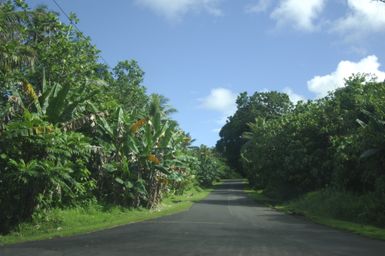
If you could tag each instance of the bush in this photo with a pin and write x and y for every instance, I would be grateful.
(364, 208)
(42, 167)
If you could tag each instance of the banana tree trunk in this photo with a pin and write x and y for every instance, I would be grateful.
(154, 191)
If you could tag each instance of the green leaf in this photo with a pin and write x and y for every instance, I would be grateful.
(131, 144)
(129, 184)
(119, 180)
(162, 169)
(361, 123)
(103, 124)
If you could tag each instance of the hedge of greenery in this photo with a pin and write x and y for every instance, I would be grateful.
(335, 143)
(73, 131)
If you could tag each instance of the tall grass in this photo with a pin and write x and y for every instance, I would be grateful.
(362, 209)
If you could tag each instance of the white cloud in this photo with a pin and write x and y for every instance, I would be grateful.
(294, 97)
(302, 14)
(261, 6)
(221, 100)
(364, 16)
(175, 9)
(321, 85)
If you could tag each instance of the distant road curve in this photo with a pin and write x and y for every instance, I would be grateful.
(226, 223)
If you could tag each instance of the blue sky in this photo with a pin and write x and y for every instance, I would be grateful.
(202, 53)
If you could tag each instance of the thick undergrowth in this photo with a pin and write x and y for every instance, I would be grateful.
(75, 132)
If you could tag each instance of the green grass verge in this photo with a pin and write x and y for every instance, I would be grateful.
(299, 207)
(259, 197)
(80, 220)
(365, 230)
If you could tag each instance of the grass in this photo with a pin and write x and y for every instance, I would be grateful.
(80, 220)
(259, 197)
(329, 210)
(361, 229)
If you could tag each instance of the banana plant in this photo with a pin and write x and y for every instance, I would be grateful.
(151, 143)
(55, 103)
(60, 102)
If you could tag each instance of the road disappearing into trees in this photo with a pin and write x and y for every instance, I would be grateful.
(225, 223)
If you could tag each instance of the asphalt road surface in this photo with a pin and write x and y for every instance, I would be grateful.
(225, 223)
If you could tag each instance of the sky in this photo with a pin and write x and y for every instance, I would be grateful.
(202, 53)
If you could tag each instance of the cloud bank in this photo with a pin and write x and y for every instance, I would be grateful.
(363, 16)
(321, 85)
(301, 14)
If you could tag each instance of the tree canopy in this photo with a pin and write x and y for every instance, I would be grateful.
(335, 145)
(266, 105)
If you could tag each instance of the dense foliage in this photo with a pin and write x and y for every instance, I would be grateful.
(73, 131)
(335, 145)
(267, 105)
(210, 166)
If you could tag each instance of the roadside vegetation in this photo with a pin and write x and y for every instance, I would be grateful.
(85, 218)
(321, 212)
(79, 137)
(323, 158)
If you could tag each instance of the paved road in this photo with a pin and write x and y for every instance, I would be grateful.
(226, 223)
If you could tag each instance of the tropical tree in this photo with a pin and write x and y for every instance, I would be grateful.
(127, 86)
(209, 167)
(266, 105)
(336, 142)
(72, 131)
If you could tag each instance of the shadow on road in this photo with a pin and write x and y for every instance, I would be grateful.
(232, 202)
(234, 188)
